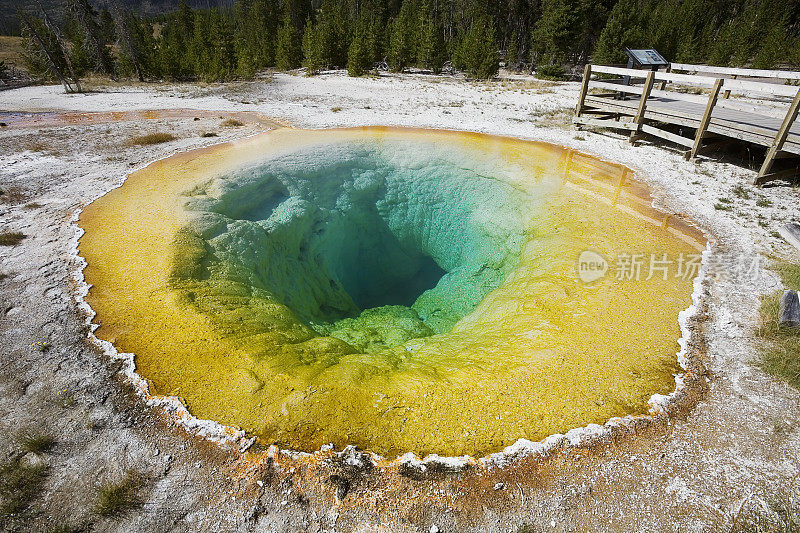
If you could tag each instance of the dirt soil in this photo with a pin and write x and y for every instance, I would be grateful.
(730, 463)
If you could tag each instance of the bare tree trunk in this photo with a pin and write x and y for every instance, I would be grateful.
(64, 51)
(53, 65)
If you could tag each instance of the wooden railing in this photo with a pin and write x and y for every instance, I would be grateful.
(671, 87)
(788, 75)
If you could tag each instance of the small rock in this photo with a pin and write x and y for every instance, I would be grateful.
(791, 234)
(434, 529)
(33, 460)
(790, 309)
(499, 486)
(156, 452)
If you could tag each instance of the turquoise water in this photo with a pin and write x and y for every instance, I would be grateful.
(373, 243)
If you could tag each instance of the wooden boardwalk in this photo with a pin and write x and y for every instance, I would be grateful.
(656, 103)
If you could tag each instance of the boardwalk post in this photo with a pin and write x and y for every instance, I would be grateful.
(728, 92)
(639, 118)
(587, 73)
(777, 143)
(701, 129)
(664, 82)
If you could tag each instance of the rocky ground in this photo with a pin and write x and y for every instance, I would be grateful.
(730, 463)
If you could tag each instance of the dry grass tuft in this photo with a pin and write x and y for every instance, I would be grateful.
(231, 123)
(151, 138)
(779, 512)
(780, 347)
(38, 147)
(11, 238)
(32, 442)
(11, 195)
(19, 485)
(116, 498)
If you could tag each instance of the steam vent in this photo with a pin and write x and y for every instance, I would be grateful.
(399, 290)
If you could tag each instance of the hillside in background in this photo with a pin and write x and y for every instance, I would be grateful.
(9, 25)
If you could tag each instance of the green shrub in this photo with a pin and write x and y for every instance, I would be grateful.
(551, 72)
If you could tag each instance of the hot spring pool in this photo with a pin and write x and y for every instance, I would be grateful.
(399, 290)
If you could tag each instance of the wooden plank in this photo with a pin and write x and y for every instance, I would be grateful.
(686, 79)
(694, 98)
(731, 71)
(701, 131)
(780, 137)
(587, 73)
(651, 113)
(760, 87)
(738, 134)
(620, 71)
(746, 107)
(618, 87)
(703, 81)
(616, 124)
(639, 117)
(677, 139)
(792, 148)
(788, 173)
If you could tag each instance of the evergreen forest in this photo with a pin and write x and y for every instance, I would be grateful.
(550, 37)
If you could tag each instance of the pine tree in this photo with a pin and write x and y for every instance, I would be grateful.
(106, 22)
(401, 38)
(200, 46)
(312, 50)
(375, 12)
(176, 52)
(255, 35)
(477, 52)
(556, 33)
(512, 52)
(88, 42)
(621, 30)
(432, 53)
(358, 57)
(137, 46)
(287, 50)
(773, 47)
(222, 56)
